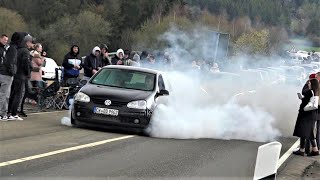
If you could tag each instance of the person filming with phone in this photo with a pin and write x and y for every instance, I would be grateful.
(305, 124)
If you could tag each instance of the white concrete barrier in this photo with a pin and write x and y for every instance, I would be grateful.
(267, 161)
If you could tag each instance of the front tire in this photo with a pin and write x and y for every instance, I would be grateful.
(75, 123)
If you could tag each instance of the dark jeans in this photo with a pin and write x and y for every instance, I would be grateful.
(15, 96)
(24, 95)
(303, 142)
(317, 137)
(318, 133)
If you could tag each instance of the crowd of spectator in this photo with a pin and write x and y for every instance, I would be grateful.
(15, 73)
(22, 60)
(21, 69)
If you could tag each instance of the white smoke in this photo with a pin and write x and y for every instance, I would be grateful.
(223, 110)
(191, 113)
(67, 120)
(280, 101)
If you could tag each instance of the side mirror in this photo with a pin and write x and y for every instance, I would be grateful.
(163, 92)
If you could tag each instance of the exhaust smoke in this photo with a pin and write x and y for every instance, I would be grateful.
(67, 120)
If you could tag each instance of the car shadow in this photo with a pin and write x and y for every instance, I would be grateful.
(117, 130)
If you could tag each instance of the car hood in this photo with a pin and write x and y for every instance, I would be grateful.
(113, 93)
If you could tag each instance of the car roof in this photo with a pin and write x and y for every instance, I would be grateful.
(51, 61)
(133, 68)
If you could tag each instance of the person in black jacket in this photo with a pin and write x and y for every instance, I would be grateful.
(305, 123)
(92, 63)
(22, 74)
(318, 119)
(71, 64)
(118, 58)
(8, 62)
(105, 59)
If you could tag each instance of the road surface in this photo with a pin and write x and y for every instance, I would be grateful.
(34, 144)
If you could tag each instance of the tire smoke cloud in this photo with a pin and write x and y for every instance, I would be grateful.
(221, 109)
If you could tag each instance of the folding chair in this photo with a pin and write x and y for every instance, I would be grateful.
(35, 89)
(61, 98)
(48, 96)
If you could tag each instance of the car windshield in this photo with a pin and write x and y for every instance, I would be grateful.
(127, 79)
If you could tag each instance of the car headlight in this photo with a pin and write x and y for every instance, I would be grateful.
(82, 97)
(137, 105)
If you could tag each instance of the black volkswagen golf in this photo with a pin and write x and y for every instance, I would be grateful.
(118, 97)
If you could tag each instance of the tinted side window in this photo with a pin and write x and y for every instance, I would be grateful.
(161, 83)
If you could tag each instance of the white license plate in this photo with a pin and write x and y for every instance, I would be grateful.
(105, 111)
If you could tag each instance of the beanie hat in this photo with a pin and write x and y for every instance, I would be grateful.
(104, 46)
(28, 38)
(312, 76)
(15, 38)
(126, 52)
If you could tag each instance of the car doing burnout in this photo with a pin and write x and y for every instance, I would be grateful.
(120, 97)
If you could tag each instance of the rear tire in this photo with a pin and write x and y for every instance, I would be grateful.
(144, 133)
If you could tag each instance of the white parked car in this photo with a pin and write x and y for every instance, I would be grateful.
(49, 68)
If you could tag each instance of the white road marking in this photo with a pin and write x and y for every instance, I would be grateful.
(286, 155)
(7, 163)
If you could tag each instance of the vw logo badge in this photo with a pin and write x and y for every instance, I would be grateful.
(107, 102)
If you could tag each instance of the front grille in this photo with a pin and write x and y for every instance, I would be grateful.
(113, 103)
(106, 118)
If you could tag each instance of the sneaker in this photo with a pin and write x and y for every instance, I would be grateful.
(298, 152)
(10, 118)
(16, 117)
(314, 153)
(2, 118)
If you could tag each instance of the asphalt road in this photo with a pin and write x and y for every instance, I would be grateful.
(136, 157)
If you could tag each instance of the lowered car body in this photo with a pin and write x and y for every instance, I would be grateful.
(118, 97)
